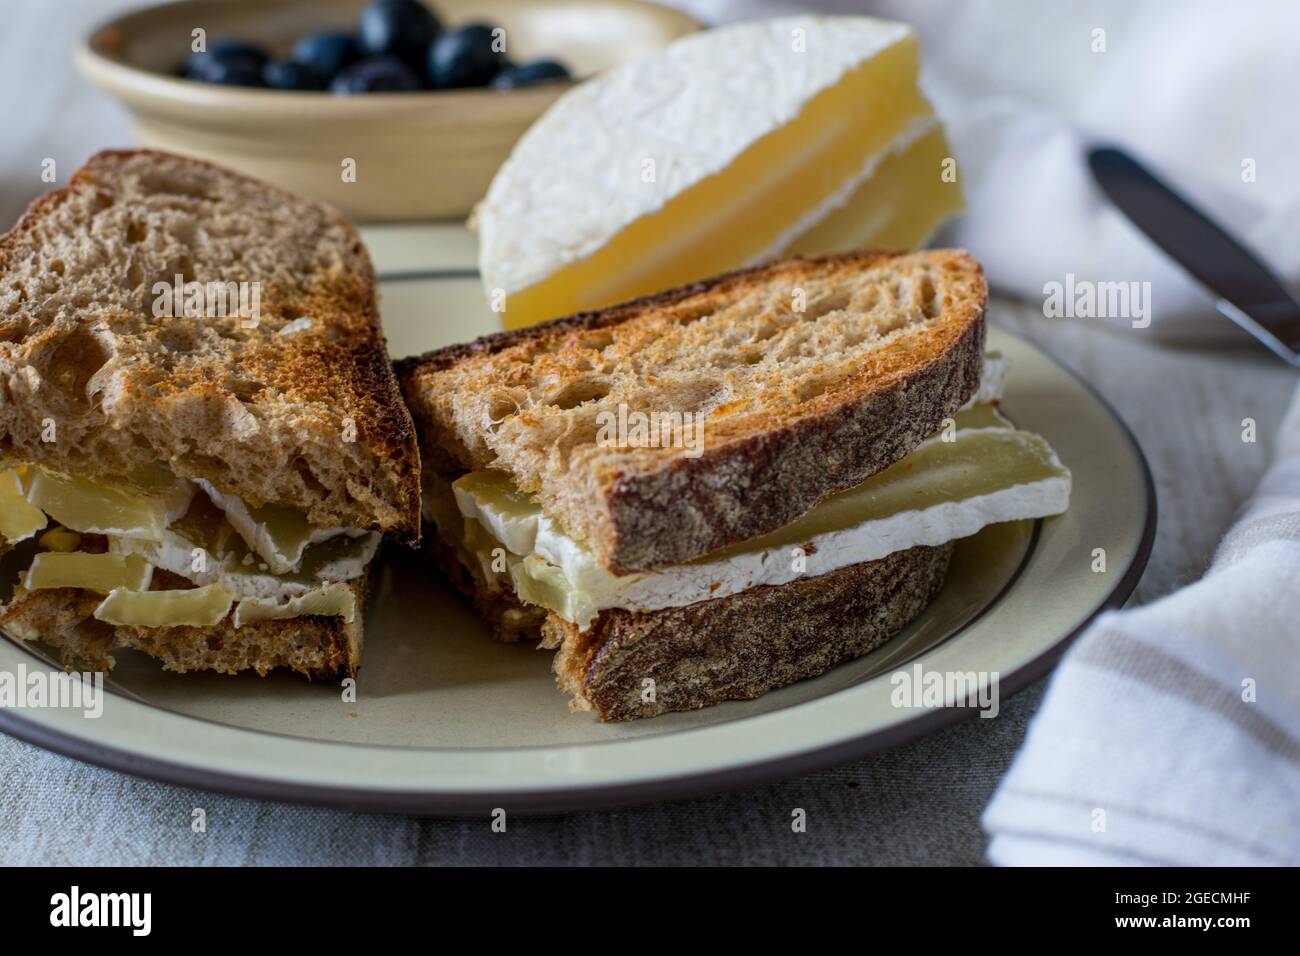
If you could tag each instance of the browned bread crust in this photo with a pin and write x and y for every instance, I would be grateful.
(798, 405)
(317, 647)
(742, 646)
(263, 415)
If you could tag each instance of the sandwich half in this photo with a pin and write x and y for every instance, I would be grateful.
(201, 438)
(708, 493)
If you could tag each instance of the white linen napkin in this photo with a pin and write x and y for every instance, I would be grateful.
(1202, 90)
(1170, 734)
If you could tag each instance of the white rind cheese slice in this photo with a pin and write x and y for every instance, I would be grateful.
(692, 110)
(565, 576)
(194, 607)
(989, 472)
(330, 561)
(279, 536)
(509, 515)
(158, 522)
(92, 508)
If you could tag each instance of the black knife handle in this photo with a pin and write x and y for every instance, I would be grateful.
(1214, 258)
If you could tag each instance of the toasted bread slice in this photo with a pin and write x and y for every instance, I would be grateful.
(731, 648)
(742, 646)
(301, 410)
(811, 374)
(63, 618)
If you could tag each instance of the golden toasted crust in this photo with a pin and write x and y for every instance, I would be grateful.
(306, 415)
(742, 646)
(317, 647)
(797, 403)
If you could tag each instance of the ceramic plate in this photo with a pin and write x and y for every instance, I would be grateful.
(447, 721)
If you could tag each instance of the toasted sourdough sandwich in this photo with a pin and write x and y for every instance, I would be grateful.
(722, 489)
(201, 437)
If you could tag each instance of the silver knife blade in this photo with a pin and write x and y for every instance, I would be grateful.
(1249, 293)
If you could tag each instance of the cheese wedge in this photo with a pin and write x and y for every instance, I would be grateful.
(196, 607)
(722, 151)
(101, 573)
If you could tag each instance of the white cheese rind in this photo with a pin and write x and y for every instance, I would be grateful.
(175, 553)
(593, 589)
(692, 110)
(993, 377)
(279, 559)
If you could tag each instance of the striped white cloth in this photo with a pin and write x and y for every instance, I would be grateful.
(1171, 733)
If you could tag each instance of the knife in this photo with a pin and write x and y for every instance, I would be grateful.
(1248, 292)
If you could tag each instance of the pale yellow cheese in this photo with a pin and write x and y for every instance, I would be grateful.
(101, 573)
(157, 518)
(89, 507)
(332, 600)
(59, 539)
(196, 607)
(19, 519)
(906, 199)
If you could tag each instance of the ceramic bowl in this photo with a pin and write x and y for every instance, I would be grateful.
(425, 155)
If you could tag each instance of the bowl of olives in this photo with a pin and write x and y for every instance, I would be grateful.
(388, 109)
